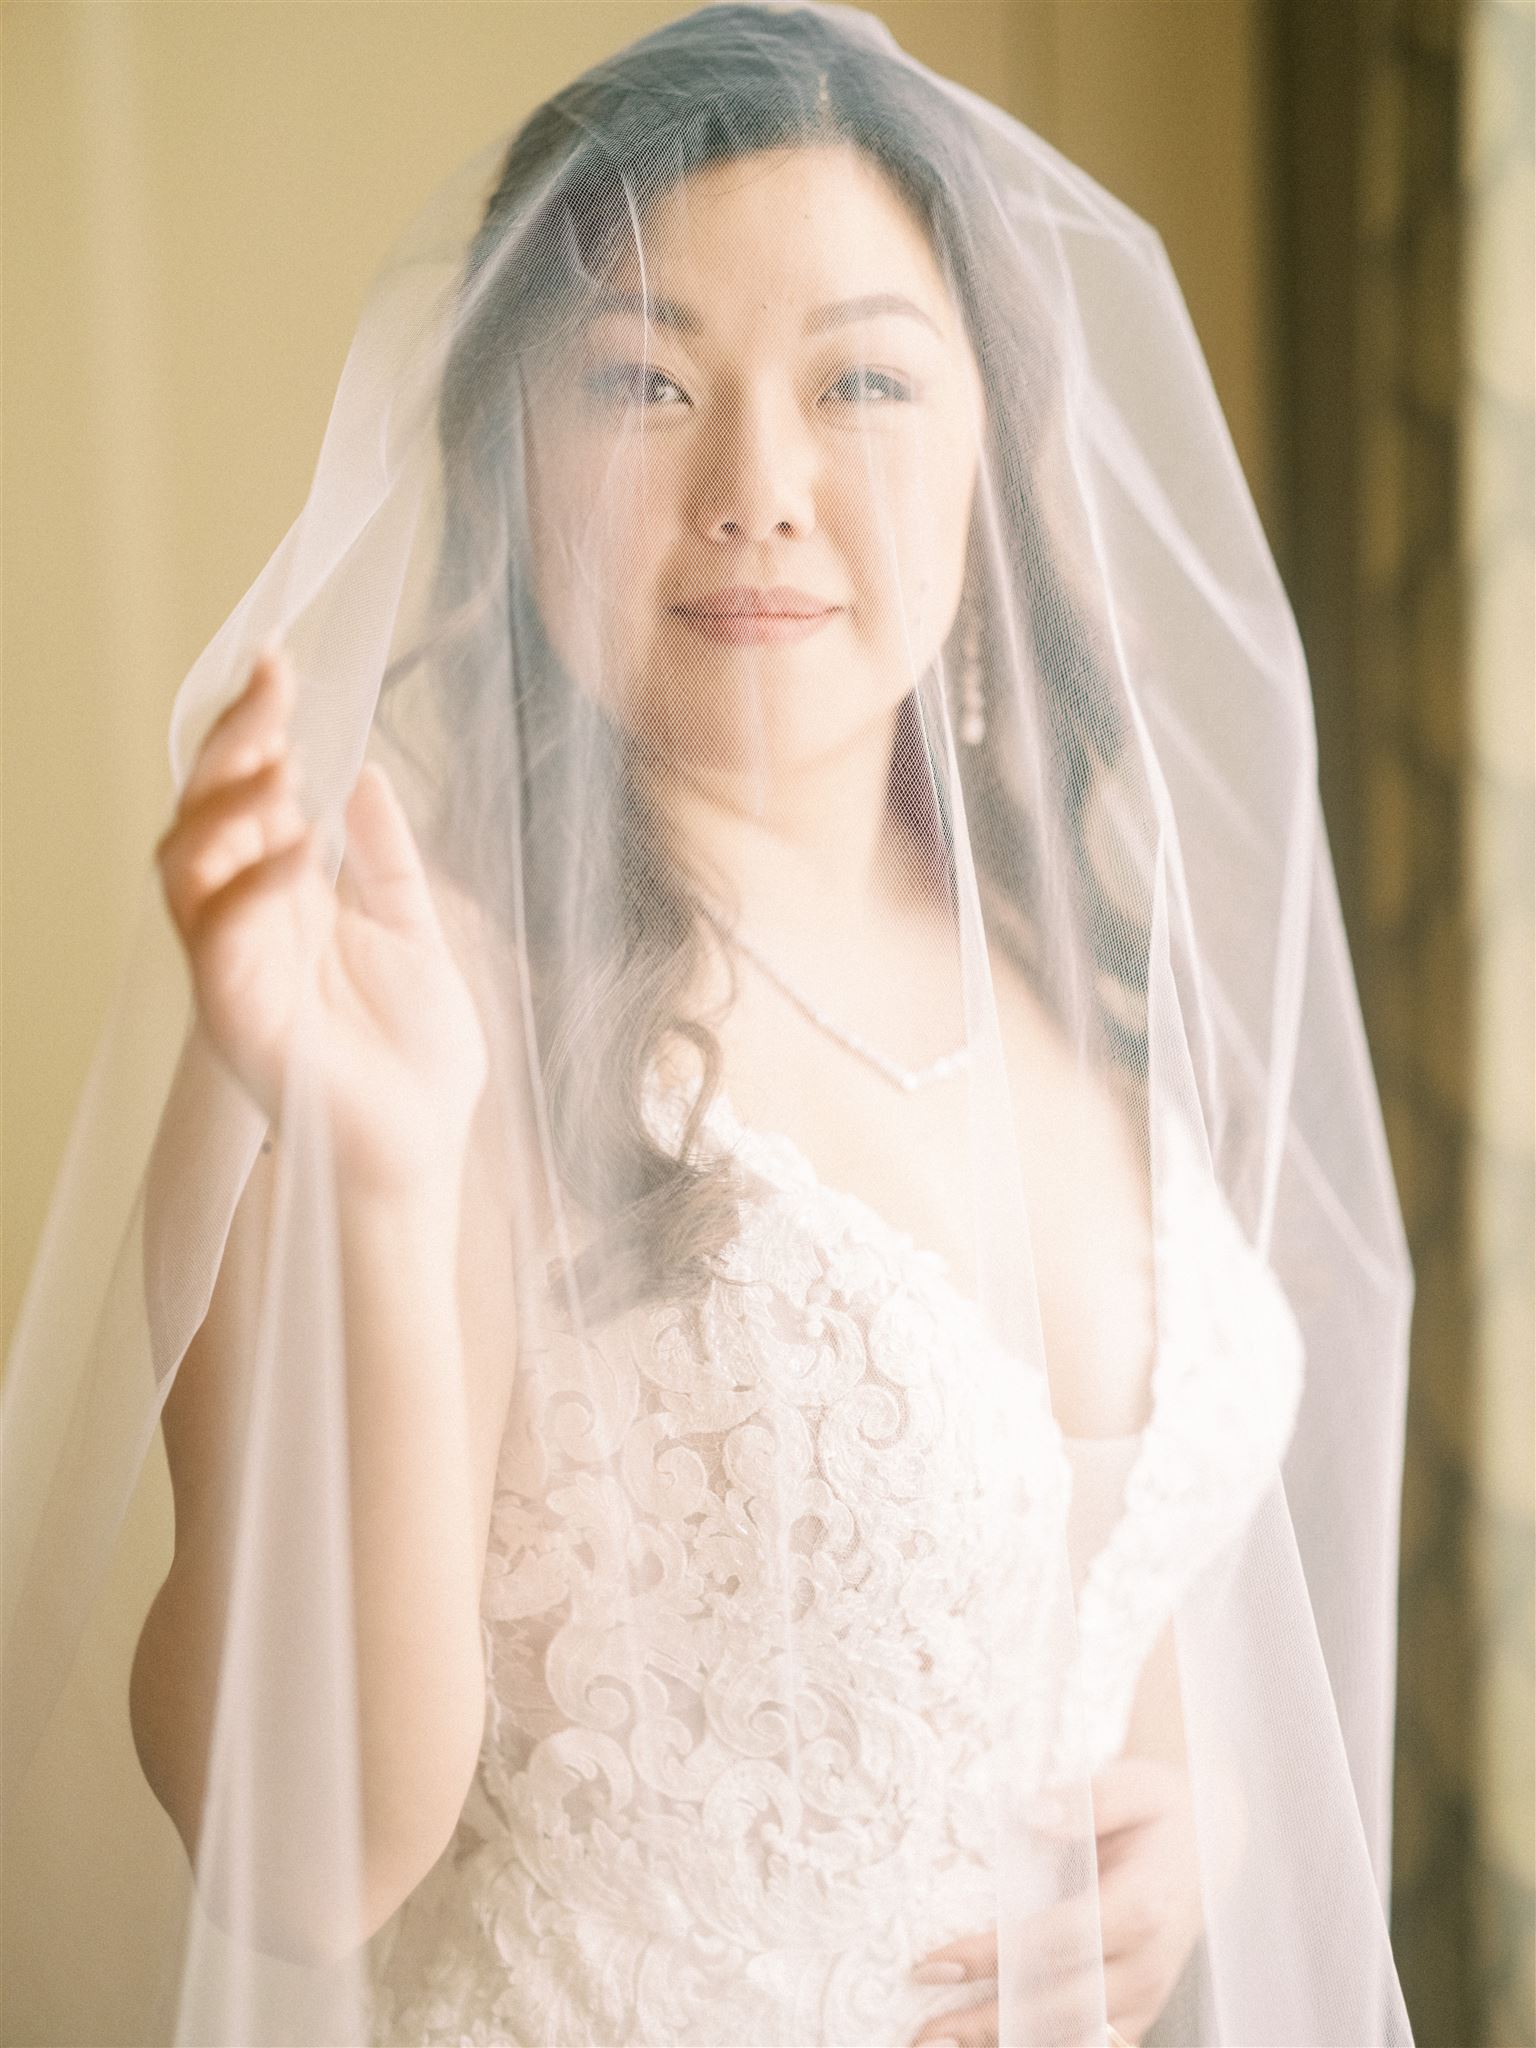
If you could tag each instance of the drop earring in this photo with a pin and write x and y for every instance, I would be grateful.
(973, 722)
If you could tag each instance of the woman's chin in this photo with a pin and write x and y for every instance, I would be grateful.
(774, 744)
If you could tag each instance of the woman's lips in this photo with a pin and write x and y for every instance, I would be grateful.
(762, 629)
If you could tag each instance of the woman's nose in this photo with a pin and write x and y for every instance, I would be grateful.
(758, 479)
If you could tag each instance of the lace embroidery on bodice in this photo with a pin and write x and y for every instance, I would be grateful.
(762, 1569)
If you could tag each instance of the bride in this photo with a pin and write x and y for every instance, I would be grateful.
(756, 1382)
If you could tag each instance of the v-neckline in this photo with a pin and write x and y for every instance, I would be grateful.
(1149, 1454)
(722, 1117)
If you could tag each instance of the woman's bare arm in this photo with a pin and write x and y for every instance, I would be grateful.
(377, 968)
(430, 1319)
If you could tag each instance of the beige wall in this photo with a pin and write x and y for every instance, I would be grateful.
(195, 198)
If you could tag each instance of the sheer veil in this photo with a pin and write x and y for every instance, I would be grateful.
(748, 1299)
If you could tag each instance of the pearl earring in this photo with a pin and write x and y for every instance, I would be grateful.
(973, 722)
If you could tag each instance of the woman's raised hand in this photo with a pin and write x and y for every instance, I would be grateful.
(397, 1044)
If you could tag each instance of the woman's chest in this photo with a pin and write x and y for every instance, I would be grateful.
(1034, 1163)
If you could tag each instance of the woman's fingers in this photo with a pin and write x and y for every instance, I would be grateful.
(382, 865)
(971, 1956)
(249, 731)
(972, 2026)
(1111, 1942)
(262, 877)
(1065, 2014)
(1066, 1979)
(1056, 1942)
(225, 831)
(1062, 1939)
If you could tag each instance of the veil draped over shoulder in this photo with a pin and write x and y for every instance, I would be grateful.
(762, 1244)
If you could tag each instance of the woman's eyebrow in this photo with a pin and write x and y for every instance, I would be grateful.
(671, 313)
(863, 309)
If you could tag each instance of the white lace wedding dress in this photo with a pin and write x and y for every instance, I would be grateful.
(831, 1455)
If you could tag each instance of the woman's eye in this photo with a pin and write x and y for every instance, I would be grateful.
(634, 384)
(888, 388)
(630, 383)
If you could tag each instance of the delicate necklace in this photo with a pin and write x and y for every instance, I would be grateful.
(904, 1077)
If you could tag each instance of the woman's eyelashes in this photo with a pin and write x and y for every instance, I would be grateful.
(624, 382)
(891, 389)
(631, 384)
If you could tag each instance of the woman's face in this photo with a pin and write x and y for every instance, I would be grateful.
(802, 408)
